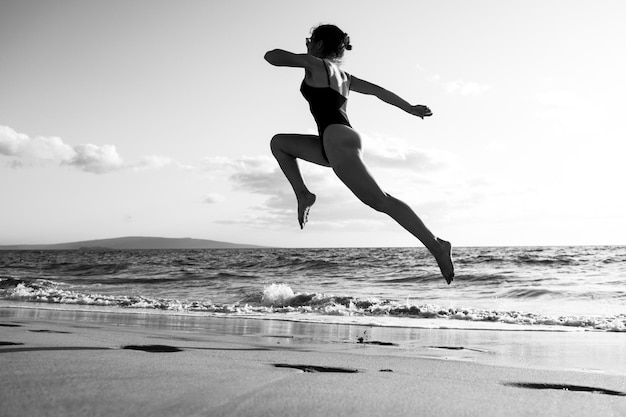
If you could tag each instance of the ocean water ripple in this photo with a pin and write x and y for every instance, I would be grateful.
(578, 287)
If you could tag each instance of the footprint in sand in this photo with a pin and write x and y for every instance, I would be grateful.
(565, 387)
(313, 368)
(49, 331)
(458, 348)
(153, 348)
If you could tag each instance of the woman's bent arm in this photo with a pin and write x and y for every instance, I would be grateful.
(282, 58)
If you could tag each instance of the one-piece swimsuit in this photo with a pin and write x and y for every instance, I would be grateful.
(328, 104)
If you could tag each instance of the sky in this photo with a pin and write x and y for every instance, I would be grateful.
(153, 118)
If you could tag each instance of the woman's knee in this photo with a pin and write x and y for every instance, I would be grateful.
(276, 143)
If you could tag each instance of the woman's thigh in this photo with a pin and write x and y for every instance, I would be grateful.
(305, 147)
(343, 148)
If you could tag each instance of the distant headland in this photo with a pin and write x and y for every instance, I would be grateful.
(134, 242)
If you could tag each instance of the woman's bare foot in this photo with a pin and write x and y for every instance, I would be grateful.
(304, 205)
(444, 260)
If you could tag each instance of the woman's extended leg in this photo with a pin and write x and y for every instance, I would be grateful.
(343, 147)
(286, 149)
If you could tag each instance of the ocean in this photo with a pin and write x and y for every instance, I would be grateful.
(580, 288)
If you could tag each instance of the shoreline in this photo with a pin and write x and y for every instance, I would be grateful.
(382, 320)
(72, 362)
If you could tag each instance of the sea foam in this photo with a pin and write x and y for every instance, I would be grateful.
(279, 300)
(277, 295)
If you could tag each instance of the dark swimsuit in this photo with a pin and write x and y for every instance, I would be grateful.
(328, 104)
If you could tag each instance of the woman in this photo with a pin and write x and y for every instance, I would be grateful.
(326, 87)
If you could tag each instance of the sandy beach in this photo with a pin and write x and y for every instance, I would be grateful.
(89, 363)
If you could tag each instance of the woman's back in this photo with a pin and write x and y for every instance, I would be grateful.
(328, 103)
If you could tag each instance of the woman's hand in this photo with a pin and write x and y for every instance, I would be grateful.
(420, 111)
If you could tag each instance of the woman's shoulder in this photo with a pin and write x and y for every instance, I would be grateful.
(338, 79)
(335, 70)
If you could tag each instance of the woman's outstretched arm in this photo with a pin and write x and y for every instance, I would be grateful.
(365, 87)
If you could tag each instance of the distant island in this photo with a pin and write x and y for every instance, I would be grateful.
(134, 242)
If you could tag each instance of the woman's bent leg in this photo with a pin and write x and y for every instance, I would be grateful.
(344, 153)
(286, 148)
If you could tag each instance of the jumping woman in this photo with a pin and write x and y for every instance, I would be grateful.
(326, 87)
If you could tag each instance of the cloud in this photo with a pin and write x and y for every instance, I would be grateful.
(258, 164)
(154, 162)
(95, 159)
(214, 198)
(466, 88)
(27, 151)
(395, 153)
(257, 174)
(336, 207)
(262, 175)
(460, 86)
(159, 162)
(22, 147)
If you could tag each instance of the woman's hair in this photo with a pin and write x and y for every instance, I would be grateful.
(334, 41)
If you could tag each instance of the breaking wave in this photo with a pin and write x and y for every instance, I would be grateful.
(280, 299)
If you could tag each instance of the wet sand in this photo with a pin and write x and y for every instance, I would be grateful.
(79, 363)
